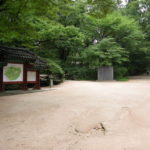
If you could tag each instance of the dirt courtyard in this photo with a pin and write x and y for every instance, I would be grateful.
(78, 115)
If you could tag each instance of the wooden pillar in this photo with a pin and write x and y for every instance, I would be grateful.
(1, 80)
(24, 86)
(37, 84)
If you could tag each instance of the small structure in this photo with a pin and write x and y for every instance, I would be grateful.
(20, 66)
(105, 73)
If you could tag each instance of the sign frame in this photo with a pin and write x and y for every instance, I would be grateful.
(13, 81)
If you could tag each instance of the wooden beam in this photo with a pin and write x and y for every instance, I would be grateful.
(1, 80)
(24, 86)
(37, 85)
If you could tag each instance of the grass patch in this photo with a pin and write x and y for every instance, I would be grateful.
(122, 79)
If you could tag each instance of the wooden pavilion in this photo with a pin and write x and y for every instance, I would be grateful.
(20, 66)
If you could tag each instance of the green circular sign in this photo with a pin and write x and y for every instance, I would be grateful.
(12, 73)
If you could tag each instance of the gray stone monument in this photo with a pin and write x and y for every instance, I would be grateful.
(105, 73)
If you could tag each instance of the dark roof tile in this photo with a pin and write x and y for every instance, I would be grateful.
(8, 54)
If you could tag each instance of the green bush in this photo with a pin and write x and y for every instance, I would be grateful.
(120, 72)
(80, 73)
(123, 79)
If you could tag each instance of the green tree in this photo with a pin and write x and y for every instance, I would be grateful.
(124, 30)
(67, 40)
(140, 11)
(100, 8)
(105, 53)
(16, 17)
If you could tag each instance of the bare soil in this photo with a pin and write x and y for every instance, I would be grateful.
(78, 115)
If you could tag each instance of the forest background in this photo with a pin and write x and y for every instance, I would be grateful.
(76, 37)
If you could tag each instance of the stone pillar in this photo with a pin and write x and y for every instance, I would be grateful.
(51, 82)
(37, 84)
(1, 80)
(105, 73)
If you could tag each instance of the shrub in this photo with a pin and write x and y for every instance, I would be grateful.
(120, 72)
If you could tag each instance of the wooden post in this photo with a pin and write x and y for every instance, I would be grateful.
(1, 80)
(37, 84)
(24, 86)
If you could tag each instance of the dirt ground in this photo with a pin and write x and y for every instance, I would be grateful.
(78, 115)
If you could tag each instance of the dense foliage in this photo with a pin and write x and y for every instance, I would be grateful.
(76, 37)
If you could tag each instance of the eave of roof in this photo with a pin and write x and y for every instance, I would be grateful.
(21, 55)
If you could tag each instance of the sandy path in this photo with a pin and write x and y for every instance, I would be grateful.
(78, 115)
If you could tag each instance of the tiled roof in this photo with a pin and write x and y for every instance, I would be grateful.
(20, 55)
(17, 54)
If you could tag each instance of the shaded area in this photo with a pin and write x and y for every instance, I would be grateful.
(18, 92)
